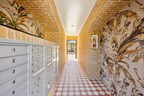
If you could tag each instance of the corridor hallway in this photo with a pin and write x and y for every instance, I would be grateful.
(109, 48)
(74, 82)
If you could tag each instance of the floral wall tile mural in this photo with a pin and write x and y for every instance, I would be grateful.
(122, 51)
(15, 16)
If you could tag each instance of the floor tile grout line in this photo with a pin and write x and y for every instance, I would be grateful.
(74, 82)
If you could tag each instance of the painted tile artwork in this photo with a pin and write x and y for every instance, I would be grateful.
(122, 51)
(13, 15)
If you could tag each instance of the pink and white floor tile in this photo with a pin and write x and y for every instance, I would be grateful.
(74, 82)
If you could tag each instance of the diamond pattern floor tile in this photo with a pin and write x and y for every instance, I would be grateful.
(74, 82)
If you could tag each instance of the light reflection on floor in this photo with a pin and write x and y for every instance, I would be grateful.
(71, 57)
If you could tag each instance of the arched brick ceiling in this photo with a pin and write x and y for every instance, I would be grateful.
(41, 11)
(102, 12)
(45, 12)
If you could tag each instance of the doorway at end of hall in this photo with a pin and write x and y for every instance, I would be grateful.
(72, 49)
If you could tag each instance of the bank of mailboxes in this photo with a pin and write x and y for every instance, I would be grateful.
(26, 69)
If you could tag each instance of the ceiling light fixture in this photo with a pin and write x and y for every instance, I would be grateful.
(73, 25)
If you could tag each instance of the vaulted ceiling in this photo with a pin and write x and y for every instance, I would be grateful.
(45, 12)
(73, 14)
(101, 13)
(42, 12)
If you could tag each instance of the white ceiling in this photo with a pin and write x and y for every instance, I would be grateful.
(73, 14)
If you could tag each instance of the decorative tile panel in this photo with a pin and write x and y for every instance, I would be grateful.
(15, 16)
(122, 52)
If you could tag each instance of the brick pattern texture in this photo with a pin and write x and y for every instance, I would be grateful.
(100, 14)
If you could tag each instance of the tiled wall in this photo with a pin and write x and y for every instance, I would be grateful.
(62, 46)
(52, 36)
(83, 50)
(122, 52)
(87, 56)
(11, 34)
(13, 15)
(71, 37)
(9, 9)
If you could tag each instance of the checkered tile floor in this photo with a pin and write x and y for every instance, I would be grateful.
(74, 82)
